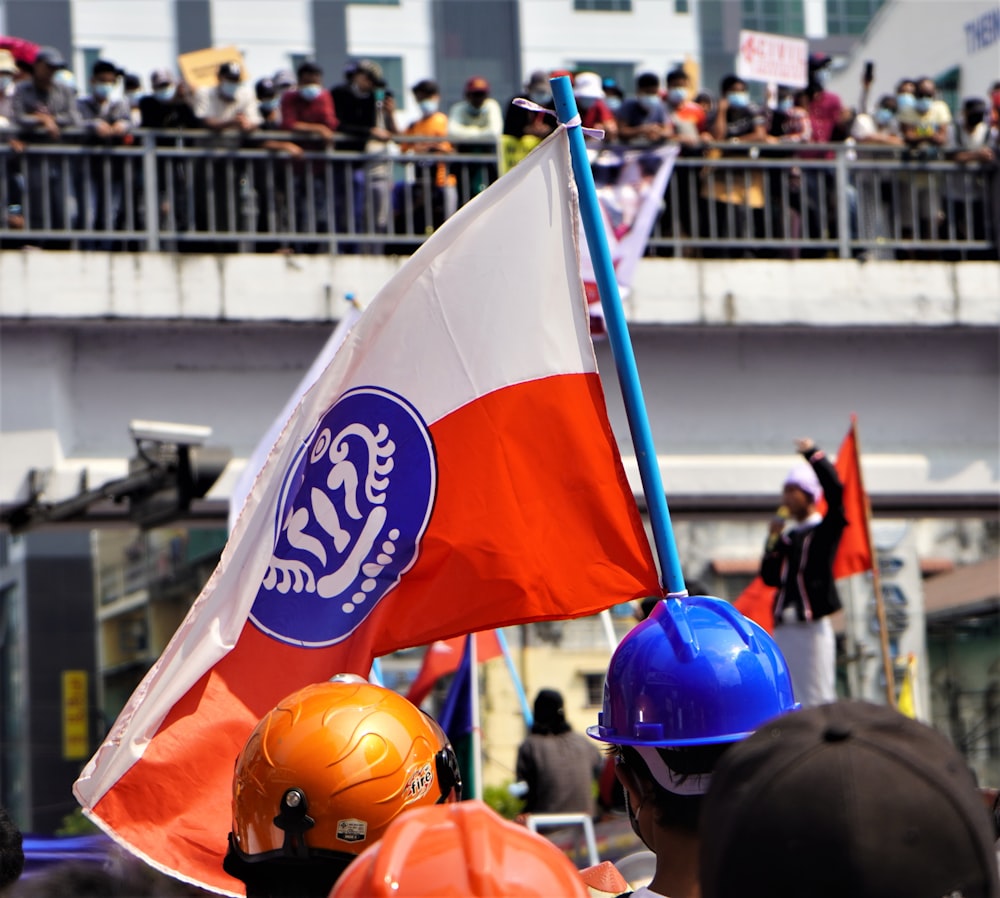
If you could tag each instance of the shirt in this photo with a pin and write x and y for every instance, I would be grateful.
(210, 104)
(58, 100)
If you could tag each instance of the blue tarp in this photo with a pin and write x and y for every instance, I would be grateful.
(41, 852)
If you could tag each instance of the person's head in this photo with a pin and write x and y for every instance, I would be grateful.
(286, 80)
(549, 714)
(366, 77)
(230, 76)
(846, 799)
(267, 95)
(734, 89)
(683, 685)
(538, 89)
(926, 93)
(801, 491)
(104, 76)
(131, 87)
(309, 81)
(460, 849)
(647, 84)
(678, 86)
(477, 89)
(614, 96)
(906, 94)
(320, 779)
(428, 96)
(587, 88)
(975, 111)
(705, 100)
(47, 62)
(164, 85)
(819, 70)
(11, 850)
(885, 112)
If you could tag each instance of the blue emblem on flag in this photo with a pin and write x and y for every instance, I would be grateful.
(353, 507)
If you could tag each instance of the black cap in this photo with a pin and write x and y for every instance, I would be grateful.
(51, 57)
(105, 67)
(230, 71)
(265, 89)
(847, 799)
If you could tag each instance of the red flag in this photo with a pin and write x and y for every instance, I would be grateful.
(854, 554)
(443, 658)
(452, 470)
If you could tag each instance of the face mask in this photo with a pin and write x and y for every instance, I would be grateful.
(541, 97)
(614, 103)
(905, 101)
(677, 95)
(822, 77)
(648, 101)
(923, 105)
(310, 91)
(6, 81)
(64, 77)
(269, 105)
(103, 91)
(786, 104)
(165, 94)
(228, 89)
(883, 116)
(739, 99)
(133, 100)
(429, 107)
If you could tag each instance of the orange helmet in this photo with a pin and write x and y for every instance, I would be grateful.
(463, 850)
(322, 776)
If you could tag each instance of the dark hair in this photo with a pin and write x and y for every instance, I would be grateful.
(132, 81)
(675, 75)
(549, 714)
(309, 68)
(265, 89)
(729, 82)
(426, 88)
(647, 79)
(11, 850)
(673, 810)
(104, 67)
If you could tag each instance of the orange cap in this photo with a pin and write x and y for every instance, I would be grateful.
(463, 850)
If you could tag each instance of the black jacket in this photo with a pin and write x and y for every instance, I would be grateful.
(800, 562)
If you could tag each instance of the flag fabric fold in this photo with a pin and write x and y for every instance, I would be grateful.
(444, 656)
(452, 470)
(854, 553)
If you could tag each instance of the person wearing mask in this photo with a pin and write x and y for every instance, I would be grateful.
(321, 778)
(926, 125)
(430, 178)
(643, 119)
(42, 107)
(976, 147)
(875, 197)
(307, 111)
(614, 96)
(108, 122)
(880, 127)
(227, 106)
(168, 108)
(475, 123)
(132, 89)
(557, 766)
(687, 116)
(798, 563)
(683, 687)
(588, 91)
(524, 129)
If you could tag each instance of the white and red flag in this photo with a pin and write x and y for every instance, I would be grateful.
(452, 470)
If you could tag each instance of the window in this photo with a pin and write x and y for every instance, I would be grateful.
(682, 7)
(90, 56)
(774, 16)
(392, 71)
(602, 5)
(376, 2)
(850, 16)
(623, 73)
(594, 683)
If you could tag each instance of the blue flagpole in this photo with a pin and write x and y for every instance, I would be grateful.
(621, 345)
(529, 718)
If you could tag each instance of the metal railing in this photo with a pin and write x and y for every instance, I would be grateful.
(190, 191)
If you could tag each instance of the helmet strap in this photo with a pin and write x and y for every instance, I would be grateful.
(294, 821)
(678, 783)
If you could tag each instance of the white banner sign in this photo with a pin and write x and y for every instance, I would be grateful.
(773, 59)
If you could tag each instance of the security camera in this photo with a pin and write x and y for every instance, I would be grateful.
(165, 432)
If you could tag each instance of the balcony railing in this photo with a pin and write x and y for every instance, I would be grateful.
(194, 192)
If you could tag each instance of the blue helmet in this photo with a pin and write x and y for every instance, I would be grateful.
(695, 672)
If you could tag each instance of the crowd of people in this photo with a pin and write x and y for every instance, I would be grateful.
(743, 187)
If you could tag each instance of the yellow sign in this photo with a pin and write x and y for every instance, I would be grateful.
(76, 715)
(200, 68)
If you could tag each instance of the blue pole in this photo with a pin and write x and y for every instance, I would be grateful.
(518, 685)
(621, 345)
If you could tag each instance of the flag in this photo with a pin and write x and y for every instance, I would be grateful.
(907, 693)
(452, 470)
(456, 718)
(854, 553)
(244, 485)
(630, 187)
(444, 656)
